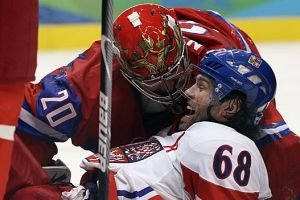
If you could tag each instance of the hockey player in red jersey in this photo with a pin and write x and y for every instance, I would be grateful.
(211, 158)
(65, 103)
(18, 49)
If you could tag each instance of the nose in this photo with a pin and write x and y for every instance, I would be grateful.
(189, 93)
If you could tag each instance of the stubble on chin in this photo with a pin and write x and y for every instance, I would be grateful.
(185, 123)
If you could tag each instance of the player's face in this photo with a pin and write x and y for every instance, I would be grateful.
(199, 97)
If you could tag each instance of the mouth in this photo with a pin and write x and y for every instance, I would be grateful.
(187, 118)
(189, 111)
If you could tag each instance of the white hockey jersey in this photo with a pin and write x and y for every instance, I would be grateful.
(208, 161)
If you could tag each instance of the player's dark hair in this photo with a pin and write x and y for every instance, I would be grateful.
(243, 120)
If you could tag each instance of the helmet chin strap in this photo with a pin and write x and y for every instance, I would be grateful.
(212, 102)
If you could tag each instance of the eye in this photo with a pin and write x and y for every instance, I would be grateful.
(201, 86)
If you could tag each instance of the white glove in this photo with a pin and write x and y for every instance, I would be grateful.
(91, 162)
(78, 193)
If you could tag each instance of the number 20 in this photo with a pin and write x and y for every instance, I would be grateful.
(223, 166)
(50, 116)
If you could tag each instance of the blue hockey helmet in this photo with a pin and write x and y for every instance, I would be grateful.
(239, 70)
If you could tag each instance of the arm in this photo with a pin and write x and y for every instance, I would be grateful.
(206, 30)
(62, 102)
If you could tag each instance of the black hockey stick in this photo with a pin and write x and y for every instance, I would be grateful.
(105, 98)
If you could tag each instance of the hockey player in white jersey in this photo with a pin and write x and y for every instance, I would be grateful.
(213, 157)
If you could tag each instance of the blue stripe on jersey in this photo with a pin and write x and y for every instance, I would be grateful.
(269, 138)
(245, 44)
(82, 56)
(26, 119)
(135, 194)
(27, 129)
(57, 106)
(273, 125)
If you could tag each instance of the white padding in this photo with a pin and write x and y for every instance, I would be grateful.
(7, 132)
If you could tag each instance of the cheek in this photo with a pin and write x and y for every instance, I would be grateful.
(201, 107)
(201, 110)
(203, 99)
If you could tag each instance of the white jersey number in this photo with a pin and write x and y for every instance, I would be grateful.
(56, 117)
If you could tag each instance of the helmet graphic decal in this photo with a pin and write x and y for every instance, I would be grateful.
(154, 49)
(161, 49)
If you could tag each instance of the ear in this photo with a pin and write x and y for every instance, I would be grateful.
(230, 108)
(225, 110)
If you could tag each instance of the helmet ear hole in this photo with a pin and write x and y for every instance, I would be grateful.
(232, 107)
(231, 104)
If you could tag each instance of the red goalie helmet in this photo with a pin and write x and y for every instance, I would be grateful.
(150, 48)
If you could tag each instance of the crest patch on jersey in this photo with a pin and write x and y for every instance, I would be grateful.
(135, 152)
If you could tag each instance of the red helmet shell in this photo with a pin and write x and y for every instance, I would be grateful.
(149, 41)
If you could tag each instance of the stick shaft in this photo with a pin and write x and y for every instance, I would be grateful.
(105, 98)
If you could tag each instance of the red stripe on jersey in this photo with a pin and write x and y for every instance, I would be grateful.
(112, 187)
(195, 185)
(175, 145)
(156, 198)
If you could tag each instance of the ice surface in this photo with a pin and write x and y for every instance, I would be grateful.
(283, 57)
